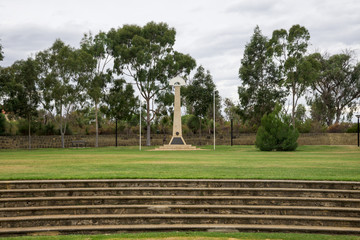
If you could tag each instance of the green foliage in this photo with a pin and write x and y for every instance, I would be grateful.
(288, 48)
(63, 70)
(353, 128)
(193, 123)
(47, 129)
(1, 53)
(276, 133)
(146, 55)
(336, 90)
(22, 89)
(121, 103)
(339, 127)
(23, 127)
(260, 89)
(2, 124)
(199, 94)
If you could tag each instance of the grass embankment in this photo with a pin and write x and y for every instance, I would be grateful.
(241, 162)
(194, 236)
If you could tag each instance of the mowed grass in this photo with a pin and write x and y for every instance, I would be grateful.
(239, 162)
(194, 236)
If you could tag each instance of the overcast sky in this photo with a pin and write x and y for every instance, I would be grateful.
(214, 32)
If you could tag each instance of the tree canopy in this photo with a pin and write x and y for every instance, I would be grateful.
(146, 55)
(260, 80)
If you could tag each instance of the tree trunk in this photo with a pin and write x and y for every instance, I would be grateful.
(293, 107)
(29, 131)
(97, 126)
(200, 131)
(62, 131)
(116, 135)
(148, 143)
(62, 140)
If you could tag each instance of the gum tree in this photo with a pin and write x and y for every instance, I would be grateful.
(97, 48)
(260, 88)
(62, 70)
(146, 55)
(288, 48)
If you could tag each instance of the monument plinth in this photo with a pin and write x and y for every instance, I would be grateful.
(177, 141)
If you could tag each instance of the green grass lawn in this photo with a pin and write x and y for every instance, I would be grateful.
(194, 236)
(241, 162)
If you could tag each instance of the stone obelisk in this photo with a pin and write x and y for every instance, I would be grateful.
(177, 138)
(177, 141)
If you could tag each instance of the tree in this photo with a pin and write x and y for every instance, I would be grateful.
(62, 70)
(98, 48)
(1, 53)
(23, 95)
(199, 94)
(336, 89)
(288, 48)
(260, 89)
(146, 55)
(121, 103)
(276, 132)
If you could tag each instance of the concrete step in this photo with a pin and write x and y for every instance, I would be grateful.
(135, 219)
(182, 200)
(179, 191)
(168, 147)
(91, 229)
(180, 209)
(198, 183)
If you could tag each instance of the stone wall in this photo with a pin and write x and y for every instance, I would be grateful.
(14, 142)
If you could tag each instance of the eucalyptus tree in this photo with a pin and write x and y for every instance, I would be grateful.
(288, 48)
(260, 87)
(120, 102)
(63, 68)
(146, 55)
(98, 47)
(336, 90)
(23, 95)
(199, 94)
(1, 53)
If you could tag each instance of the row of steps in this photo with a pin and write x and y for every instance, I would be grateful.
(125, 205)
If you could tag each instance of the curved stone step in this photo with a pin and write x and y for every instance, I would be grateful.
(180, 191)
(91, 229)
(135, 219)
(180, 209)
(183, 200)
(216, 183)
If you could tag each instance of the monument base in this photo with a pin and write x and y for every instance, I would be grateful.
(176, 147)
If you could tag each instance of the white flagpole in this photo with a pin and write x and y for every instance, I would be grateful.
(214, 120)
(140, 127)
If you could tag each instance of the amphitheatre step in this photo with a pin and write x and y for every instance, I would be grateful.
(113, 205)
(135, 219)
(179, 191)
(181, 209)
(219, 183)
(183, 200)
(175, 227)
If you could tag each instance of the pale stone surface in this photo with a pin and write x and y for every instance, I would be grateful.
(177, 141)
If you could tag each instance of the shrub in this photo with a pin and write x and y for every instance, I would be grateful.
(2, 124)
(353, 128)
(339, 128)
(276, 133)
